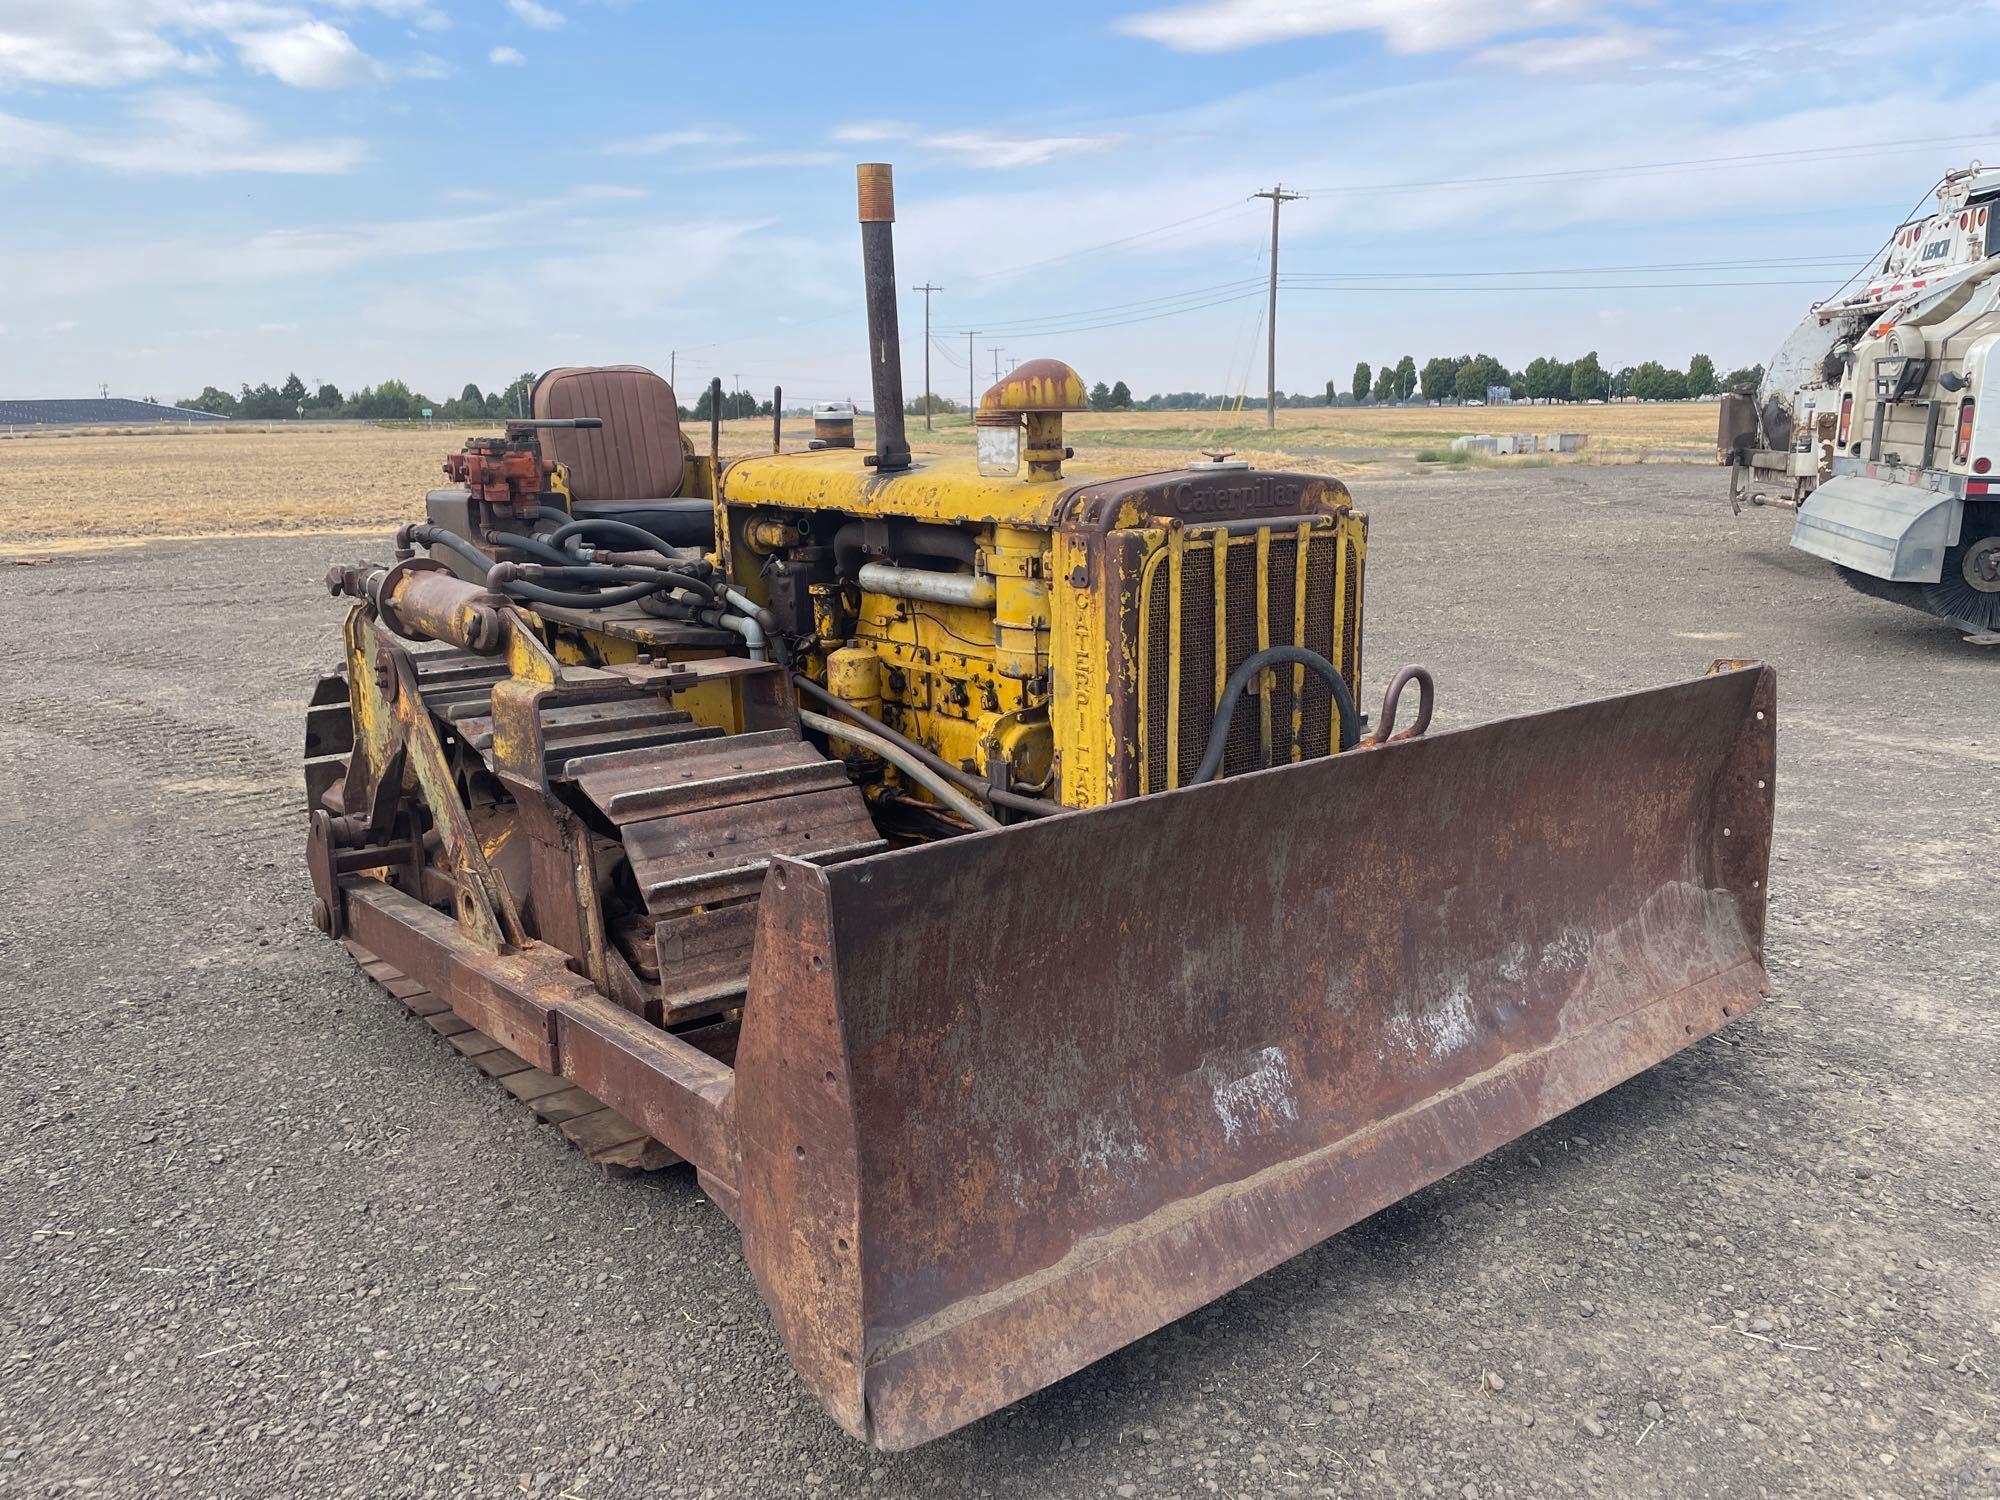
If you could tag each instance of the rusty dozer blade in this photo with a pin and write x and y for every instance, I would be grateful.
(1010, 1101)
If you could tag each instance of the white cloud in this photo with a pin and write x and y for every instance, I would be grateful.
(419, 13)
(1574, 54)
(505, 57)
(864, 131)
(179, 134)
(1406, 25)
(107, 43)
(529, 13)
(977, 148)
(310, 55)
(308, 254)
(427, 68)
(664, 141)
(94, 44)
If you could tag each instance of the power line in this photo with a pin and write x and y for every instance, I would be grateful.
(1127, 239)
(1165, 302)
(1172, 312)
(1744, 158)
(1025, 324)
(1198, 299)
(1686, 265)
(1883, 248)
(1245, 296)
(1603, 286)
(1110, 307)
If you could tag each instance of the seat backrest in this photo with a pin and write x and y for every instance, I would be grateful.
(636, 454)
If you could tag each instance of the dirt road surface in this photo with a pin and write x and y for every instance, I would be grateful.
(264, 1234)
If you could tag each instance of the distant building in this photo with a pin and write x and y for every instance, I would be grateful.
(94, 412)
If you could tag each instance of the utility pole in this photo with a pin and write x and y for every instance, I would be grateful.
(927, 289)
(735, 384)
(971, 372)
(1278, 197)
(994, 350)
(673, 364)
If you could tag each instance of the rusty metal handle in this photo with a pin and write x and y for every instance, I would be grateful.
(1392, 699)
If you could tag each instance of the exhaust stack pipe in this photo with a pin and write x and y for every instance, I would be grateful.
(877, 192)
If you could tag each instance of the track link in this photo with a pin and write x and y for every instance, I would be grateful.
(601, 1134)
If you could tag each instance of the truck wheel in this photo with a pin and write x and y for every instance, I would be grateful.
(1967, 592)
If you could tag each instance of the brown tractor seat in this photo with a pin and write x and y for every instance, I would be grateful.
(633, 468)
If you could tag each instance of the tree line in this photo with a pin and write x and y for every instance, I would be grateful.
(1466, 377)
(392, 400)
(1470, 377)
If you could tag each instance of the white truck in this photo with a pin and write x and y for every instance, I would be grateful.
(1879, 418)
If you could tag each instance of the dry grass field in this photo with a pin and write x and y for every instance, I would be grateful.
(90, 489)
(1347, 439)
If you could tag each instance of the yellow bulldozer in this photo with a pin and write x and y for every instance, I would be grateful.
(979, 869)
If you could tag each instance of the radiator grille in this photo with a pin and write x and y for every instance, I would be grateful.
(1282, 719)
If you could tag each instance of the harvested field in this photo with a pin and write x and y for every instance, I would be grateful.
(1339, 440)
(90, 488)
(1307, 437)
(82, 489)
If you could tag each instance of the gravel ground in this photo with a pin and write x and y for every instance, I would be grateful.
(264, 1234)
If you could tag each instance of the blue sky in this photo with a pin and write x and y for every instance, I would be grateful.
(212, 191)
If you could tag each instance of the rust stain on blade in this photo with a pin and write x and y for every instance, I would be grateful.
(1269, 1007)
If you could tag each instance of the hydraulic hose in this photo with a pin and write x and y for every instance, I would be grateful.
(567, 568)
(671, 566)
(1232, 691)
(567, 573)
(534, 545)
(437, 536)
(670, 607)
(535, 593)
(569, 529)
(604, 525)
(992, 795)
(905, 762)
